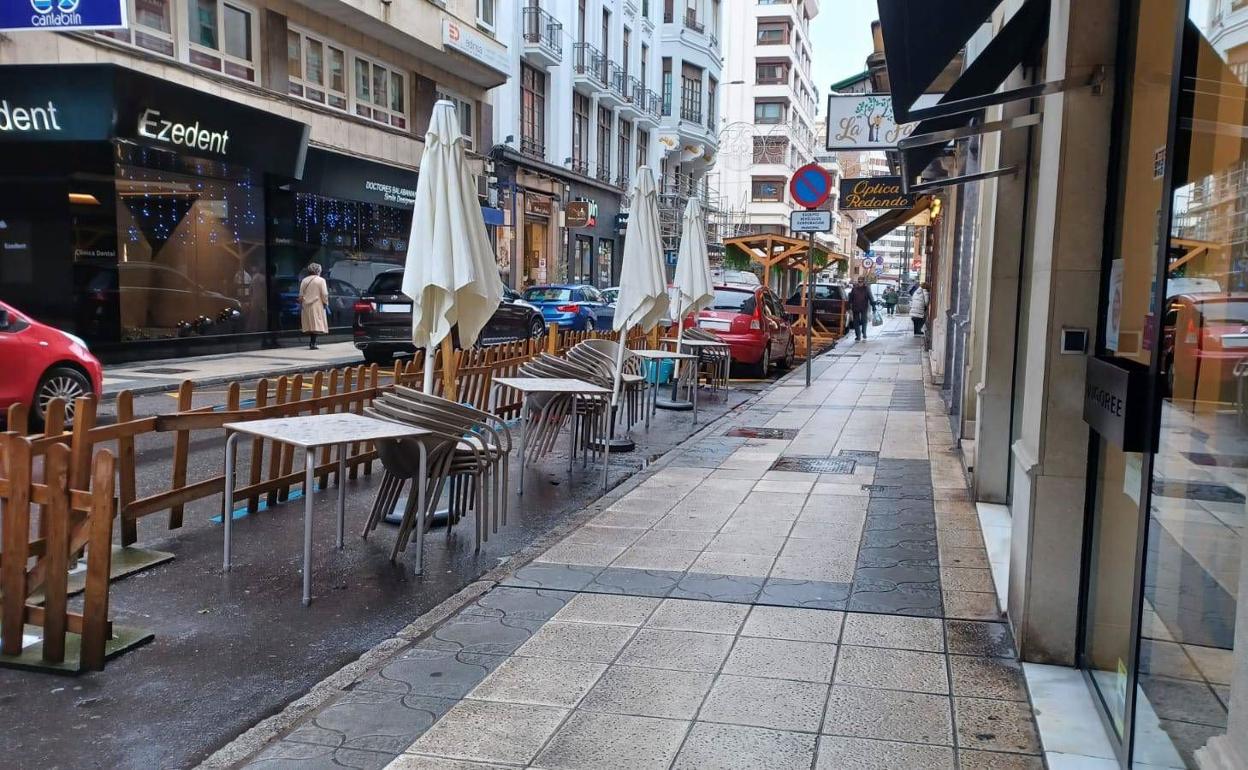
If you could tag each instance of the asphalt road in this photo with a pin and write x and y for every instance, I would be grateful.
(231, 649)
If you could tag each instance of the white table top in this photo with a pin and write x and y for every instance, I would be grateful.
(552, 385)
(699, 343)
(663, 355)
(312, 430)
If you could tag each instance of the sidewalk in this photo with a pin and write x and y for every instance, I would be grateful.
(154, 376)
(803, 584)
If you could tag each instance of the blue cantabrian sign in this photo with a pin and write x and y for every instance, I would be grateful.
(18, 15)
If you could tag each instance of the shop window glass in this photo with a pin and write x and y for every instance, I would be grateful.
(768, 112)
(767, 189)
(294, 60)
(380, 93)
(316, 62)
(204, 23)
(222, 38)
(238, 33)
(606, 262)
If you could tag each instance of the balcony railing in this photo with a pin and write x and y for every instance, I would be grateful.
(617, 79)
(622, 181)
(691, 21)
(590, 62)
(604, 173)
(635, 92)
(580, 167)
(654, 104)
(540, 28)
(533, 148)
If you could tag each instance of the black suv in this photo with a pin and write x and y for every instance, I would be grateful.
(830, 305)
(383, 320)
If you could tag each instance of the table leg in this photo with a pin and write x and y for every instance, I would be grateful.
(645, 399)
(227, 504)
(308, 474)
(342, 492)
(524, 436)
(695, 402)
(576, 421)
(422, 481)
(606, 444)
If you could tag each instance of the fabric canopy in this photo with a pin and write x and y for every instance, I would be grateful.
(643, 283)
(693, 270)
(450, 273)
(890, 221)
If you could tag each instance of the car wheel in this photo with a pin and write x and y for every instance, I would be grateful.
(381, 359)
(790, 355)
(537, 328)
(763, 367)
(60, 382)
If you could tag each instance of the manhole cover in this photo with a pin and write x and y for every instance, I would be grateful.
(163, 370)
(860, 456)
(814, 465)
(1197, 490)
(783, 434)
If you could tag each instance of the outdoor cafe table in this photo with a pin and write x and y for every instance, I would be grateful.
(311, 432)
(699, 345)
(556, 386)
(666, 355)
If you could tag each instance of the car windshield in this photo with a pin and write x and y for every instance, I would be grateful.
(547, 294)
(740, 300)
(387, 283)
(1218, 313)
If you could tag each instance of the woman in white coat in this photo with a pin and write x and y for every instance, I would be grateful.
(918, 309)
(313, 300)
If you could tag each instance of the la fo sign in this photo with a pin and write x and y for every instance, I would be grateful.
(63, 15)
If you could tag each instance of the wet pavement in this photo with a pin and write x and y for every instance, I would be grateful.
(232, 649)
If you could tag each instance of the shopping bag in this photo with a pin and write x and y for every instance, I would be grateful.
(876, 318)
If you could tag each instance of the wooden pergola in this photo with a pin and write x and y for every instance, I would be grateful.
(774, 251)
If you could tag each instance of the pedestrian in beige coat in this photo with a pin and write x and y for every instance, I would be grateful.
(313, 300)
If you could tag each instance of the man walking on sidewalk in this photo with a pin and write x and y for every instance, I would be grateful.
(861, 303)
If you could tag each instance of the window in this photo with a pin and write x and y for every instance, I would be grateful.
(222, 37)
(606, 33)
(580, 21)
(772, 32)
(768, 112)
(770, 149)
(771, 72)
(626, 44)
(151, 27)
(667, 11)
(643, 147)
(532, 111)
(380, 93)
(767, 188)
(317, 69)
(645, 55)
(691, 15)
(580, 133)
(464, 113)
(711, 85)
(485, 14)
(667, 85)
(604, 144)
(625, 151)
(645, 9)
(691, 93)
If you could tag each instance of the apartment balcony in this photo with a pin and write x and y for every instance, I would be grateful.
(691, 22)
(652, 107)
(589, 69)
(616, 92)
(603, 174)
(533, 148)
(622, 180)
(579, 167)
(543, 37)
(634, 99)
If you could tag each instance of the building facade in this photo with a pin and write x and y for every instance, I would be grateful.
(770, 104)
(201, 158)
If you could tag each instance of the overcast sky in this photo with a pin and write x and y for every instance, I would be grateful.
(841, 39)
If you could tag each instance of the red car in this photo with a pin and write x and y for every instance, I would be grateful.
(42, 363)
(1204, 337)
(751, 319)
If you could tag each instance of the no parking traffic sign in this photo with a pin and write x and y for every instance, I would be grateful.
(810, 185)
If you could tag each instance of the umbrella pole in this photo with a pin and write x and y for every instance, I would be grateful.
(428, 370)
(674, 403)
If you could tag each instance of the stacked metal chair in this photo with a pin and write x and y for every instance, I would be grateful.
(548, 412)
(714, 362)
(602, 355)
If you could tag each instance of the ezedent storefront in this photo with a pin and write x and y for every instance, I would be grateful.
(133, 210)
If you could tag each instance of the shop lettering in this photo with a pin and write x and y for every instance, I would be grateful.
(28, 118)
(151, 126)
(1105, 400)
(57, 20)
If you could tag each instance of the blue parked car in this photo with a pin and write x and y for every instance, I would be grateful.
(572, 306)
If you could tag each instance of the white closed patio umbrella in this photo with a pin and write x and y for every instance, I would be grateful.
(643, 284)
(693, 269)
(450, 273)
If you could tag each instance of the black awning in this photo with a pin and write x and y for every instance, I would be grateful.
(921, 38)
(1018, 41)
(886, 223)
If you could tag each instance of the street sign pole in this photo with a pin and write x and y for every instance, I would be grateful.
(809, 187)
(810, 307)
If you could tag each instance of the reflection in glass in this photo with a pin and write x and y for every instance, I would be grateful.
(204, 22)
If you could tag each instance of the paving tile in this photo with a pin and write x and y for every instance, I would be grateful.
(968, 637)
(803, 625)
(480, 634)
(956, 508)
(911, 535)
(976, 558)
(677, 650)
(644, 501)
(846, 531)
(718, 588)
(902, 600)
(782, 659)
(893, 669)
(519, 603)
(556, 576)
(888, 578)
(626, 519)
(491, 732)
(634, 582)
(895, 631)
(718, 563)
(804, 568)
(760, 702)
(859, 712)
(991, 760)
(836, 753)
(691, 615)
(731, 747)
(995, 725)
(976, 677)
(287, 755)
(968, 522)
(613, 742)
(891, 556)
(582, 554)
(684, 540)
(755, 543)
(682, 522)
(817, 503)
(540, 681)
(611, 609)
(816, 594)
(587, 642)
(972, 606)
(668, 559)
(840, 490)
(593, 534)
(648, 692)
(843, 550)
(962, 539)
(372, 721)
(964, 579)
(786, 486)
(426, 762)
(436, 673)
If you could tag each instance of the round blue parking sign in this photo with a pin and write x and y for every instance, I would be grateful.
(810, 186)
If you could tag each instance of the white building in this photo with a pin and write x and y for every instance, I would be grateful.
(769, 109)
(592, 97)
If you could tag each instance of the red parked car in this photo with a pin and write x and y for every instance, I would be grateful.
(751, 319)
(42, 363)
(1204, 337)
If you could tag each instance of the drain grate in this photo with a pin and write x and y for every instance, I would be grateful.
(163, 370)
(1197, 490)
(814, 465)
(780, 434)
